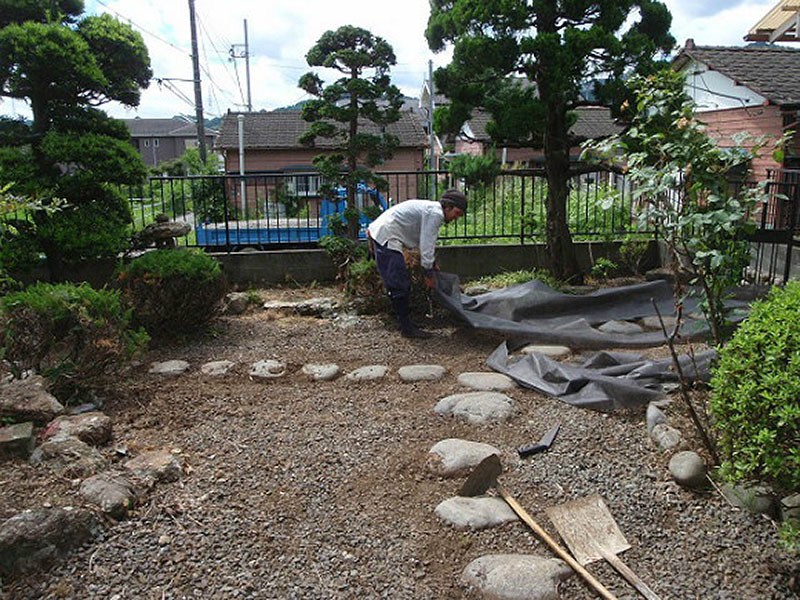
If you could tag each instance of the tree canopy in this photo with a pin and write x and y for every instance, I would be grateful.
(525, 63)
(340, 110)
(64, 65)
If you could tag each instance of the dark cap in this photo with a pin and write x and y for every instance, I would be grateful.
(456, 198)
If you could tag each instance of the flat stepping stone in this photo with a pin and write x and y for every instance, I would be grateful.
(688, 469)
(623, 327)
(317, 307)
(368, 373)
(157, 466)
(217, 368)
(17, 440)
(114, 494)
(283, 306)
(516, 576)
(411, 373)
(654, 323)
(554, 352)
(324, 372)
(477, 408)
(754, 497)
(169, 367)
(488, 382)
(454, 457)
(94, 428)
(69, 457)
(267, 369)
(475, 513)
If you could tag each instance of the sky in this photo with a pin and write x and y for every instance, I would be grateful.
(280, 32)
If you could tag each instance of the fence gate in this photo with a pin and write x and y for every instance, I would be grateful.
(775, 242)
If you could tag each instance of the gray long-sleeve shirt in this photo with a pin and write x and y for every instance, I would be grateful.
(410, 224)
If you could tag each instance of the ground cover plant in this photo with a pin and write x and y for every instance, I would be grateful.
(73, 335)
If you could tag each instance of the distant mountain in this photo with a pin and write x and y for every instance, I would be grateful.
(209, 123)
(296, 106)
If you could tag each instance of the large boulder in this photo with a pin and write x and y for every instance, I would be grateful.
(28, 400)
(35, 539)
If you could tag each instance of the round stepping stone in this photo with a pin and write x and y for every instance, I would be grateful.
(324, 372)
(454, 457)
(368, 373)
(516, 576)
(411, 373)
(477, 408)
(655, 416)
(475, 513)
(688, 469)
(267, 369)
(169, 367)
(665, 436)
(487, 382)
(554, 352)
(624, 327)
(217, 367)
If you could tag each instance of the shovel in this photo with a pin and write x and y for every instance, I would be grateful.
(589, 530)
(484, 477)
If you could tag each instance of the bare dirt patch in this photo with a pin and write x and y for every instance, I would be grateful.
(296, 489)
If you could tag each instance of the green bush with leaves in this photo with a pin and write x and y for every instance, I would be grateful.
(603, 268)
(756, 387)
(172, 291)
(73, 335)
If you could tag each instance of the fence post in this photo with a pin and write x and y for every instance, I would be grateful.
(522, 212)
(795, 198)
(225, 214)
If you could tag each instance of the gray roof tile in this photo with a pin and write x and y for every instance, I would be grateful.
(772, 71)
(281, 129)
(593, 122)
(162, 128)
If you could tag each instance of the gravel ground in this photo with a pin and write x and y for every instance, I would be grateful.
(310, 490)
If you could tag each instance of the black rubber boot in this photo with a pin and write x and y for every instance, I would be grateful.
(407, 328)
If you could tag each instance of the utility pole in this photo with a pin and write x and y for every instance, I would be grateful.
(198, 96)
(245, 54)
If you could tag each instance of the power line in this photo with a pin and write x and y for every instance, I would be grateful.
(142, 29)
(223, 60)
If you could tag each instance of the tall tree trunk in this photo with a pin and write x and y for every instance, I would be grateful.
(561, 250)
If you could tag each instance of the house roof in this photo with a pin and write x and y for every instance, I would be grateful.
(282, 129)
(593, 122)
(768, 70)
(163, 128)
(781, 24)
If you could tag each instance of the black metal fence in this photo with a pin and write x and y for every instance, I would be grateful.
(774, 242)
(228, 212)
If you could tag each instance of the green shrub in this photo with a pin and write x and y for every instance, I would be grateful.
(603, 268)
(756, 393)
(74, 335)
(172, 291)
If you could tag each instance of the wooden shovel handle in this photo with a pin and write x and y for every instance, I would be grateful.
(563, 554)
(616, 562)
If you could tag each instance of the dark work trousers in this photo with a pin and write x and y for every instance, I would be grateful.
(392, 269)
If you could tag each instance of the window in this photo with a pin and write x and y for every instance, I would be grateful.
(147, 143)
(303, 185)
(155, 143)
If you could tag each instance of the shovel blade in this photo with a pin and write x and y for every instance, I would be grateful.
(587, 526)
(483, 477)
